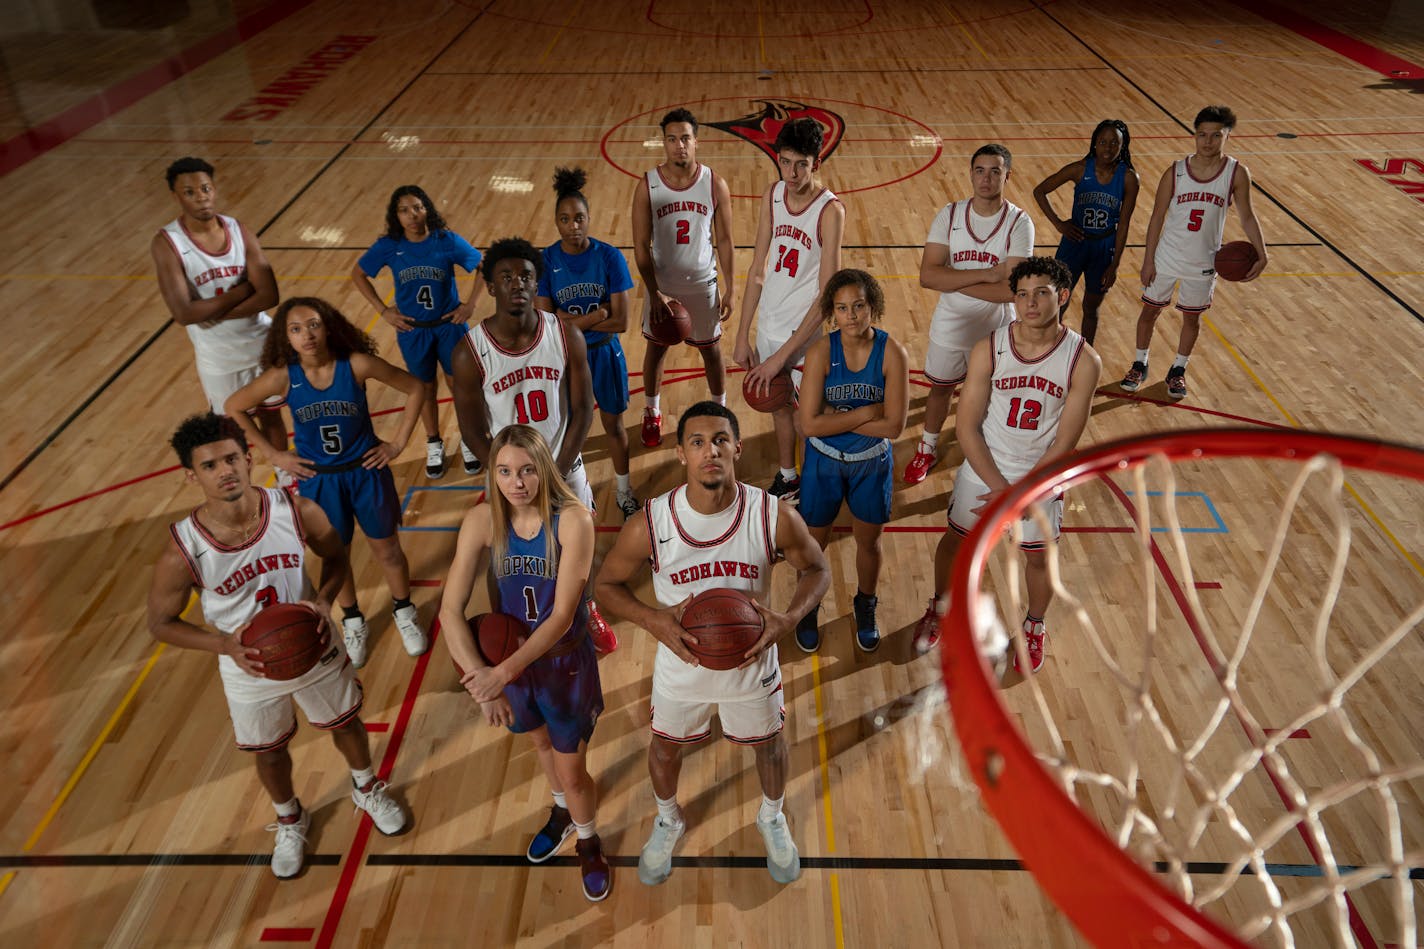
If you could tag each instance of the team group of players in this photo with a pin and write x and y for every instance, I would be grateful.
(525, 381)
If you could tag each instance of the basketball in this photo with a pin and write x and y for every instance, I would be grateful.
(289, 637)
(1235, 260)
(672, 331)
(778, 393)
(497, 636)
(726, 625)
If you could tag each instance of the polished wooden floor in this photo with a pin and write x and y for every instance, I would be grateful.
(129, 818)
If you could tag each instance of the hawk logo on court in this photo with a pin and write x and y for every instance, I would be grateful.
(761, 126)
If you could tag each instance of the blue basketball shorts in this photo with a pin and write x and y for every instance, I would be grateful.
(425, 346)
(1088, 259)
(864, 486)
(361, 495)
(562, 693)
(609, 368)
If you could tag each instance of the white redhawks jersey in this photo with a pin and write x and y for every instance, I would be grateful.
(975, 243)
(693, 552)
(229, 345)
(793, 266)
(235, 582)
(1196, 219)
(525, 387)
(683, 256)
(1026, 398)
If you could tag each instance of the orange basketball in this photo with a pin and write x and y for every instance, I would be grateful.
(497, 636)
(672, 331)
(778, 393)
(726, 625)
(1235, 260)
(289, 637)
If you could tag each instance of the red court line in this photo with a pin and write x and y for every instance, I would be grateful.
(377, 726)
(1371, 57)
(1298, 733)
(277, 934)
(425, 583)
(356, 855)
(34, 142)
(1207, 585)
(84, 497)
(1113, 391)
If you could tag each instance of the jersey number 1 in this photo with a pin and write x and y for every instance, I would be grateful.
(538, 408)
(1028, 417)
(531, 607)
(788, 259)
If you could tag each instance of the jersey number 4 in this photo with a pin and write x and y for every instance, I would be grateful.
(537, 409)
(425, 298)
(1024, 413)
(788, 259)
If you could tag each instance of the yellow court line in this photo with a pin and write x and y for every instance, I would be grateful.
(1364, 505)
(559, 32)
(761, 37)
(968, 35)
(826, 797)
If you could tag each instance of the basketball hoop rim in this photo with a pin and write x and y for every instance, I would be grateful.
(1109, 898)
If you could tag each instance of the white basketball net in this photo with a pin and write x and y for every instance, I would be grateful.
(1267, 758)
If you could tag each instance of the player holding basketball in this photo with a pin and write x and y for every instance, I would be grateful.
(320, 364)
(422, 254)
(714, 532)
(798, 247)
(585, 282)
(524, 366)
(1183, 236)
(972, 246)
(536, 541)
(853, 406)
(1025, 403)
(680, 209)
(244, 548)
(1105, 189)
(216, 283)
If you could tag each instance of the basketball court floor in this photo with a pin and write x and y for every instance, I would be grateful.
(131, 820)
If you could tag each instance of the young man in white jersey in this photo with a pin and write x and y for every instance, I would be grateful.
(1183, 236)
(680, 210)
(798, 248)
(1025, 402)
(972, 246)
(522, 365)
(244, 549)
(216, 283)
(714, 532)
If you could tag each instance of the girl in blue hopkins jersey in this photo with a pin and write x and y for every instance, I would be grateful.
(855, 394)
(586, 282)
(534, 541)
(319, 362)
(1104, 197)
(422, 254)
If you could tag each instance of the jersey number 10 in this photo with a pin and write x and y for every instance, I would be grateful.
(537, 408)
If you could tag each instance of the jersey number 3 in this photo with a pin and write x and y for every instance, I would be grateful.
(788, 259)
(1023, 413)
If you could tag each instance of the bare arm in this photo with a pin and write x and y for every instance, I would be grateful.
(326, 544)
(272, 382)
(973, 407)
(1154, 226)
(936, 272)
(373, 367)
(1068, 173)
(722, 237)
(614, 591)
(1077, 406)
(259, 277)
(643, 250)
(180, 298)
(1241, 194)
(167, 602)
(996, 291)
(471, 549)
(578, 400)
(813, 578)
(468, 394)
(367, 290)
(1130, 186)
(742, 353)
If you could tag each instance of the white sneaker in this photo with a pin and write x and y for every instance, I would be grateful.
(290, 850)
(628, 503)
(408, 622)
(472, 462)
(354, 631)
(435, 459)
(655, 862)
(388, 816)
(782, 857)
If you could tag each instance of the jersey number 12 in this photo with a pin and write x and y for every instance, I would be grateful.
(1023, 413)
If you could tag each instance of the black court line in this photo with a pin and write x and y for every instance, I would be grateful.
(629, 247)
(159, 860)
(754, 71)
(1326, 242)
(113, 377)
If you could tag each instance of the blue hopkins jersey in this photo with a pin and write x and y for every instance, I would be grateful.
(526, 581)
(424, 271)
(332, 425)
(578, 283)
(1096, 206)
(845, 390)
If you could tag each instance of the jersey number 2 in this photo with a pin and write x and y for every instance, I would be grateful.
(788, 259)
(538, 407)
(1023, 413)
(684, 231)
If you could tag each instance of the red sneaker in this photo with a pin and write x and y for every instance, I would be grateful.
(919, 467)
(652, 429)
(1034, 634)
(604, 639)
(927, 629)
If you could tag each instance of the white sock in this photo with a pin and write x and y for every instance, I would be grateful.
(585, 831)
(720, 398)
(668, 811)
(559, 800)
(290, 809)
(930, 441)
(625, 483)
(770, 808)
(1141, 356)
(788, 473)
(1180, 362)
(362, 778)
(653, 401)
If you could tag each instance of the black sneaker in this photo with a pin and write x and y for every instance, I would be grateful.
(434, 458)
(1177, 383)
(471, 460)
(808, 631)
(546, 843)
(1134, 378)
(867, 630)
(787, 489)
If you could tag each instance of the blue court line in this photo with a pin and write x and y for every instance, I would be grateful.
(1220, 527)
(410, 493)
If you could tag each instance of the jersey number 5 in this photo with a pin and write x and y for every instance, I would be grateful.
(1194, 219)
(331, 439)
(1023, 413)
(788, 259)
